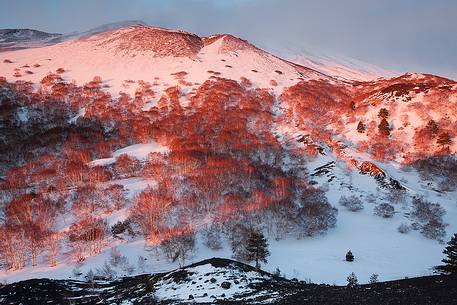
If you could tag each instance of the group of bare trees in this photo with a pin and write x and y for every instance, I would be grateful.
(28, 230)
(224, 166)
(86, 237)
(31, 230)
(149, 211)
(442, 170)
(54, 177)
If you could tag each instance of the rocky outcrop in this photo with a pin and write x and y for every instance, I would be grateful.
(369, 168)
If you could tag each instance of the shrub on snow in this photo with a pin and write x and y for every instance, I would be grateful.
(316, 215)
(105, 272)
(352, 280)
(178, 247)
(349, 256)
(212, 237)
(352, 203)
(120, 227)
(429, 218)
(374, 278)
(384, 210)
(404, 228)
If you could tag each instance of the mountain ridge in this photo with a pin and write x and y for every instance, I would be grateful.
(182, 286)
(120, 25)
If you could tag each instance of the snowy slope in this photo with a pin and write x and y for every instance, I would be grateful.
(342, 68)
(137, 151)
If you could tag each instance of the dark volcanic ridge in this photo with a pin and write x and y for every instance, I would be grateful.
(223, 275)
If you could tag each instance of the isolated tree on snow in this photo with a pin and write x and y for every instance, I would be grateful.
(374, 278)
(349, 256)
(384, 128)
(257, 248)
(383, 113)
(90, 276)
(444, 139)
(361, 127)
(450, 262)
(352, 280)
(432, 127)
(277, 272)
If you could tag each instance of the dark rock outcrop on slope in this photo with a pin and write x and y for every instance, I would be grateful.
(369, 168)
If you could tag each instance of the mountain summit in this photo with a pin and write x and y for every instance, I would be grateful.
(140, 38)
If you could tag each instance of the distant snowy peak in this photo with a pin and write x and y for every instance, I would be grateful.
(342, 68)
(24, 38)
(15, 35)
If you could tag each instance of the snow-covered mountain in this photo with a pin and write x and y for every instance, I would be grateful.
(342, 68)
(139, 52)
(321, 157)
(26, 38)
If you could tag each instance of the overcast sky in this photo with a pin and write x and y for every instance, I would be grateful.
(403, 35)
